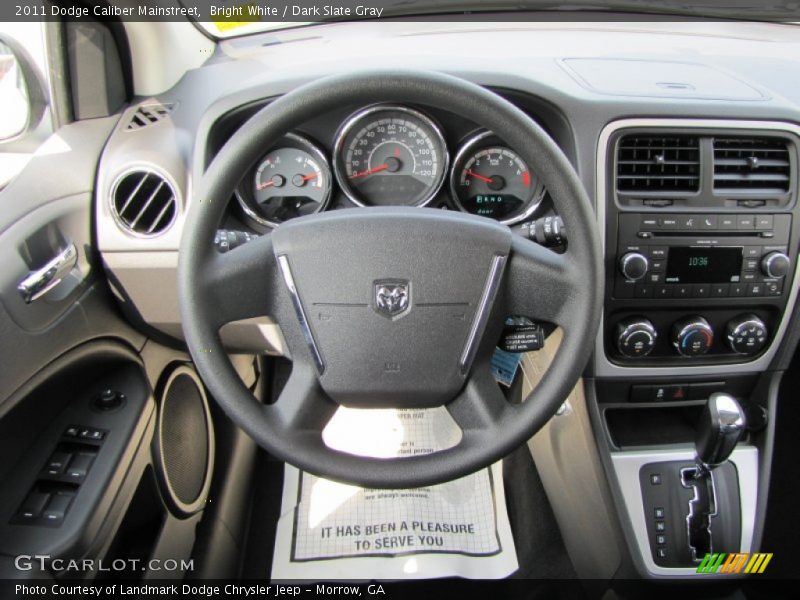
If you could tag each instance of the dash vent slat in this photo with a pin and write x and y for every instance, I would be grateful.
(652, 163)
(755, 165)
(148, 114)
(144, 203)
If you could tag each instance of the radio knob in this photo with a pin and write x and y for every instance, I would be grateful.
(636, 337)
(746, 334)
(633, 266)
(775, 264)
(692, 336)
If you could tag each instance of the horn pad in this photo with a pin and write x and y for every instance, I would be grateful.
(395, 299)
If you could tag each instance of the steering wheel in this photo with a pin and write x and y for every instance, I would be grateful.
(390, 307)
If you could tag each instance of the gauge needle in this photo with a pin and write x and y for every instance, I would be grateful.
(309, 177)
(366, 172)
(480, 177)
(266, 184)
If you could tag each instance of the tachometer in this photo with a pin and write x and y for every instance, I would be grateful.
(388, 156)
(492, 180)
(293, 179)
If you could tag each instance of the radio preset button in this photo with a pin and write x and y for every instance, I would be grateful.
(720, 290)
(682, 291)
(663, 291)
(701, 290)
(643, 291)
(738, 289)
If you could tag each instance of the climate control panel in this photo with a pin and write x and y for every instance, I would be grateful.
(691, 336)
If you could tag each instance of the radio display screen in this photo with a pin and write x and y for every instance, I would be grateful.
(703, 265)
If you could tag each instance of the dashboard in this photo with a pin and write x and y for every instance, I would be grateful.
(689, 153)
(385, 155)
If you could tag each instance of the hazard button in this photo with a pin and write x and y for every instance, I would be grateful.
(671, 392)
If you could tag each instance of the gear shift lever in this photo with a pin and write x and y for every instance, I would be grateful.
(720, 428)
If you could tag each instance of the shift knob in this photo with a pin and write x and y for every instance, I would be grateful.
(720, 428)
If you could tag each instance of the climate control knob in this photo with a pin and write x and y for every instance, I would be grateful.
(633, 266)
(636, 337)
(692, 336)
(746, 334)
(775, 264)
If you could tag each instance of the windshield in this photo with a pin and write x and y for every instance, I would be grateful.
(240, 17)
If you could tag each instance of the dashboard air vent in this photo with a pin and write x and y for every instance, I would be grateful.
(148, 114)
(650, 163)
(144, 203)
(757, 165)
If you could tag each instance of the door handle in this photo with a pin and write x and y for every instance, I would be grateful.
(41, 281)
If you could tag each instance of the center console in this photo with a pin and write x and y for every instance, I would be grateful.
(700, 227)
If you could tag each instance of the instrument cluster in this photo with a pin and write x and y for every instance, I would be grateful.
(390, 155)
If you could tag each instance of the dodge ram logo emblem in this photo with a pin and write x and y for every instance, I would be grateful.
(392, 297)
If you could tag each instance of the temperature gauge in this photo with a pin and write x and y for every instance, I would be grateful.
(293, 179)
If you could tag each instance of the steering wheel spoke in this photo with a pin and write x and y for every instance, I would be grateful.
(242, 282)
(302, 405)
(541, 284)
(481, 407)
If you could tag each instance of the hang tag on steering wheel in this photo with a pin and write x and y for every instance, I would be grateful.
(505, 365)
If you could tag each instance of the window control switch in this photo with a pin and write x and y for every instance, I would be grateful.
(57, 462)
(79, 466)
(57, 508)
(33, 506)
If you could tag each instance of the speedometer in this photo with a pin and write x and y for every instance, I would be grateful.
(390, 156)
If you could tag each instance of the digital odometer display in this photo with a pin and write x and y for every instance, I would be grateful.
(704, 265)
(495, 206)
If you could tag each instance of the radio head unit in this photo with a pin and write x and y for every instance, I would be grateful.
(672, 256)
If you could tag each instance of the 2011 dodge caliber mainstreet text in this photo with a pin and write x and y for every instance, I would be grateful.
(399, 299)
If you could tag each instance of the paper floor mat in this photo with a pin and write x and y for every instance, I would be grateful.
(329, 530)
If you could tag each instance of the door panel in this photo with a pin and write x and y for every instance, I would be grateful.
(45, 209)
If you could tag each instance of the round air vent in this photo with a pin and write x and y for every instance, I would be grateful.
(144, 203)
